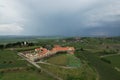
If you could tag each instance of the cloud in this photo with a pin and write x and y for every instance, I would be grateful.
(1, 6)
(10, 11)
(106, 13)
(11, 29)
(60, 17)
(11, 18)
(58, 5)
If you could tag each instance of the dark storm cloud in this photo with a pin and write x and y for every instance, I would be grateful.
(61, 17)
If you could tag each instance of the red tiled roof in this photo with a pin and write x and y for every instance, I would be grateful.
(57, 48)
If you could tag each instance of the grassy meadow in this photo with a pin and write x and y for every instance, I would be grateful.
(115, 60)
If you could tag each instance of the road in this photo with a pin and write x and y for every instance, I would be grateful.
(37, 66)
(33, 63)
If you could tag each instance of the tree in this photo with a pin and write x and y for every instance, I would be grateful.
(30, 44)
(1, 46)
(8, 45)
(82, 49)
(10, 62)
(4, 62)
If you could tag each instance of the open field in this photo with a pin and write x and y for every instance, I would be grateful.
(64, 59)
(115, 60)
(9, 59)
(82, 73)
(60, 57)
(26, 48)
(25, 75)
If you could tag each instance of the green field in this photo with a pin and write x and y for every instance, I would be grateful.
(105, 70)
(25, 48)
(13, 67)
(115, 60)
(64, 59)
(86, 64)
(10, 59)
(25, 75)
(82, 73)
(59, 59)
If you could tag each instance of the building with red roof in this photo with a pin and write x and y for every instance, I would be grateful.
(43, 52)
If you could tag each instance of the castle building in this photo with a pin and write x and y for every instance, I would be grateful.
(41, 53)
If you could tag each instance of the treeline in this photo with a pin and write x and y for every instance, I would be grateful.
(16, 44)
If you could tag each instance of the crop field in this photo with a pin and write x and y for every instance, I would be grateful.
(105, 70)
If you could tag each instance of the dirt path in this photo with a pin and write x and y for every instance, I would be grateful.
(109, 55)
(118, 69)
(57, 65)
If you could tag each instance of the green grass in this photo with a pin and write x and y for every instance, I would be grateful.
(10, 59)
(82, 73)
(60, 59)
(105, 70)
(25, 75)
(10, 64)
(26, 48)
(73, 61)
(64, 59)
(115, 60)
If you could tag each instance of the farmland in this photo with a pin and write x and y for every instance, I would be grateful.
(91, 61)
(105, 70)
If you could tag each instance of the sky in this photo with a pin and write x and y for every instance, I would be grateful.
(60, 17)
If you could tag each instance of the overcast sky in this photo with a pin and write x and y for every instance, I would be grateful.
(60, 17)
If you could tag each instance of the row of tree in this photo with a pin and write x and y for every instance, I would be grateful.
(16, 44)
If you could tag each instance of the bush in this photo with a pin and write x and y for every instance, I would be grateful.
(1, 47)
